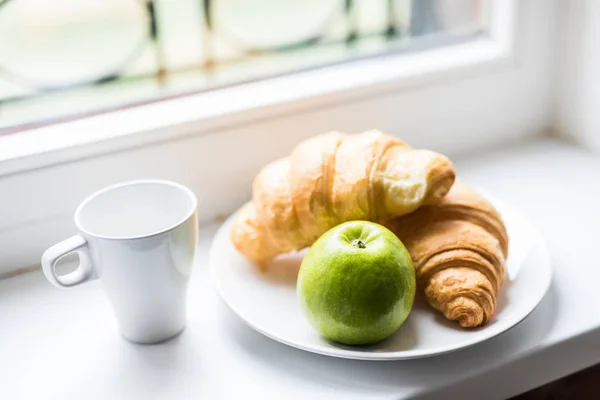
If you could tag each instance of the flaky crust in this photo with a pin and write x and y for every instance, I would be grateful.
(334, 178)
(459, 248)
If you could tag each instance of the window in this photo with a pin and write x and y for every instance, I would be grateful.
(80, 109)
(65, 59)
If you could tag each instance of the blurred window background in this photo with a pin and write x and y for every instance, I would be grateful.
(62, 59)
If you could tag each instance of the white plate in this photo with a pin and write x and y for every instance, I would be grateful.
(267, 300)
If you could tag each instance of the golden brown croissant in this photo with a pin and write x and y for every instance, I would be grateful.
(334, 178)
(458, 247)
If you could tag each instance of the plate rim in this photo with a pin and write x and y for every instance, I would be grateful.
(539, 244)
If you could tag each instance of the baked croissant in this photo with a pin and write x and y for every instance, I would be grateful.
(334, 178)
(459, 247)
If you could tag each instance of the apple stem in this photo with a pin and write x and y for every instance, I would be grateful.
(359, 243)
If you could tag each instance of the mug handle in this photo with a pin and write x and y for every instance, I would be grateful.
(83, 273)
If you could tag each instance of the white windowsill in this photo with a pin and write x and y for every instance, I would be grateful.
(66, 341)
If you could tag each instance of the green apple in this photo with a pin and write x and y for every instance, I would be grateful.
(356, 284)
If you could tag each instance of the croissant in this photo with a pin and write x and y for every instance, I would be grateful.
(334, 178)
(459, 247)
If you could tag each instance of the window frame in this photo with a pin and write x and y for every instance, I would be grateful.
(46, 171)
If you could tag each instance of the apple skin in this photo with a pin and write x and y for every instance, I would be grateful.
(356, 284)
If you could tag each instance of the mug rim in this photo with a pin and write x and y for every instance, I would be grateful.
(112, 187)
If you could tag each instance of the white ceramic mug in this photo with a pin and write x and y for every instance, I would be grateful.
(139, 239)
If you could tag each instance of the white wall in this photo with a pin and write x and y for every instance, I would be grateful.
(577, 104)
(450, 116)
